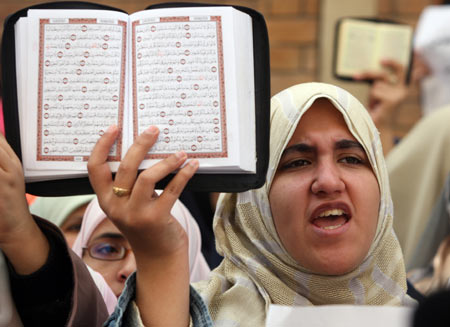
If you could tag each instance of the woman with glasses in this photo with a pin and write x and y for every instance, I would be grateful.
(106, 251)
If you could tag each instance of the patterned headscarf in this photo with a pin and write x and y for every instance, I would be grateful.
(258, 271)
(418, 167)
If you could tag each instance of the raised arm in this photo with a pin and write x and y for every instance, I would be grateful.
(159, 243)
(48, 283)
(21, 240)
(388, 90)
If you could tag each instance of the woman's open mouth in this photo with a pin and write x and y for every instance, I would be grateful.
(331, 219)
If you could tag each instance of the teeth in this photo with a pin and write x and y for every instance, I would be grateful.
(333, 227)
(333, 212)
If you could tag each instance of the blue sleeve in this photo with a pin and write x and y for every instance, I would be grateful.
(198, 309)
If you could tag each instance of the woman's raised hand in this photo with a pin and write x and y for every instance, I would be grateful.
(388, 90)
(159, 243)
(142, 215)
(20, 238)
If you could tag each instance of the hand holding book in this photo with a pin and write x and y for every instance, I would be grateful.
(199, 73)
(159, 242)
(387, 91)
(173, 68)
(362, 44)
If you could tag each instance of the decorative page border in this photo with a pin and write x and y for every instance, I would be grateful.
(218, 20)
(119, 145)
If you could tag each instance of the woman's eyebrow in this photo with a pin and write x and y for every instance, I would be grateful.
(110, 235)
(306, 148)
(348, 144)
(299, 148)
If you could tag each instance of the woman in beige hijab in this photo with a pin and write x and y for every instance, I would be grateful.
(318, 232)
(419, 164)
(418, 167)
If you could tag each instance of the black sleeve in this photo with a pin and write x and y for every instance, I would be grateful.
(414, 293)
(44, 297)
(434, 310)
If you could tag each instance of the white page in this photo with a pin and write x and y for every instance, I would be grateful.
(179, 98)
(395, 43)
(432, 41)
(339, 316)
(366, 43)
(21, 32)
(235, 82)
(79, 84)
(357, 47)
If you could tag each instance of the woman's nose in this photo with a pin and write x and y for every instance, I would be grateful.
(327, 179)
(128, 266)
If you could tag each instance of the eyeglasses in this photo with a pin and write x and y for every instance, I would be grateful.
(108, 251)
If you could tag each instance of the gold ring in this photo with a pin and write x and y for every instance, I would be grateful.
(118, 191)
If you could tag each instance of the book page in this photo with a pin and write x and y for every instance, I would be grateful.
(364, 44)
(21, 44)
(432, 41)
(80, 63)
(183, 81)
(395, 43)
(77, 83)
(339, 316)
(357, 44)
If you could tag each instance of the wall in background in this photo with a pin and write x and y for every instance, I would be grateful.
(294, 37)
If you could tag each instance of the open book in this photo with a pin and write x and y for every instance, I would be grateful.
(189, 71)
(361, 44)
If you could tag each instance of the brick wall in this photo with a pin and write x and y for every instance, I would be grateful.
(293, 32)
(292, 28)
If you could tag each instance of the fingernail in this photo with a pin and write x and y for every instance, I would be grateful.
(180, 154)
(151, 130)
(193, 163)
(111, 128)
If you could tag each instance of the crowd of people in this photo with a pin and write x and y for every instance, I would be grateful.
(338, 221)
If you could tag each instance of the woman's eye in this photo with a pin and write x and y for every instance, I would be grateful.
(106, 249)
(351, 160)
(295, 163)
(73, 228)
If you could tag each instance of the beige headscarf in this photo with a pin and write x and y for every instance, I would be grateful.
(258, 271)
(418, 167)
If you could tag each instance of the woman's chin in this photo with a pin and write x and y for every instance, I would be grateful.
(335, 265)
